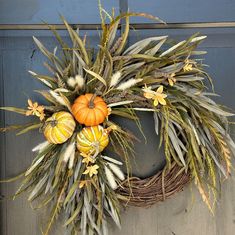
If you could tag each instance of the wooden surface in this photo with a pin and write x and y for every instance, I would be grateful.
(182, 215)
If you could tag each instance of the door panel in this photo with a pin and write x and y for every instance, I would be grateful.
(36, 11)
(173, 11)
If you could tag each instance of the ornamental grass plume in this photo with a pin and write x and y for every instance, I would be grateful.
(40, 147)
(115, 79)
(128, 84)
(58, 98)
(69, 152)
(71, 82)
(117, 171)
(79, 81)
(110, 177)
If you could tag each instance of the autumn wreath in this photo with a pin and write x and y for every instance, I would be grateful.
(71, 171)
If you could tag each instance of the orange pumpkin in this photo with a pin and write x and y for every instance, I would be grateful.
(90, 110)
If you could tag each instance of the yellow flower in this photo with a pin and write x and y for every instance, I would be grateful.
(35, 109)
(188, 66)
(87, 158)
(91, 170)
(171, 79)
(83, 183)
(158, 96)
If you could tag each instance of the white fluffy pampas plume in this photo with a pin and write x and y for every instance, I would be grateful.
(69, 154)
(117, 171)
(109, 159)
(41, 79)
(40, 146)
(77, 81)
(58, 98)
(115, 79)
(112, 170)
(131, 82)
(110, 178)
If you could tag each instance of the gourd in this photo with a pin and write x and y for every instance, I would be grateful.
(59, 127)
(91, 140)
(90, 110)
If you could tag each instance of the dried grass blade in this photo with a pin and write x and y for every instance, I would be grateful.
(97, 76)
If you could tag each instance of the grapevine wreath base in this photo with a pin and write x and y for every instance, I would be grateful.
(159, 187)
(73, 174)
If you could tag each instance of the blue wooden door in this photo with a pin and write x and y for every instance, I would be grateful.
(181, 215)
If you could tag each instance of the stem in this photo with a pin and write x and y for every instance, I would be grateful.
(53, 123)
(91, 104)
